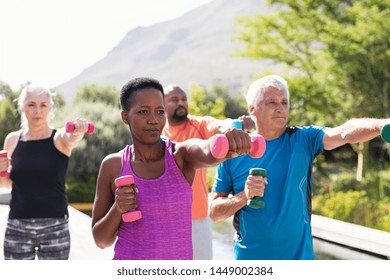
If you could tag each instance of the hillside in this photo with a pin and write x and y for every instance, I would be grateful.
(196, 47)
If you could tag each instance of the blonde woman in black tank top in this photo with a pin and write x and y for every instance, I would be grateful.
(38, 219)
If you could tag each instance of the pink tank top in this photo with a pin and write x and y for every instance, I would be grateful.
(165, 230)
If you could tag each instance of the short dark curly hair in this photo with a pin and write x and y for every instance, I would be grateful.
(131, 87)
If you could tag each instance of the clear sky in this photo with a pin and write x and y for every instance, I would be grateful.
(48, 42)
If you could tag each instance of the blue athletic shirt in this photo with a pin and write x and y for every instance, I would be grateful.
(281, 230)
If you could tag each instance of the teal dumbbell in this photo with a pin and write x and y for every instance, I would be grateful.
(257, 202)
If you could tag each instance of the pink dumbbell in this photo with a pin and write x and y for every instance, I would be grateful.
(69, 126)
(219, 146)
(6, 173)
(130, 216)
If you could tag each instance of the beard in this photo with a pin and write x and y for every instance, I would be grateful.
(180, 117)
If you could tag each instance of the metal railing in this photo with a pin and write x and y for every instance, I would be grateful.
(349, 241)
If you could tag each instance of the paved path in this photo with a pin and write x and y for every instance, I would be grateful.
(83, 246)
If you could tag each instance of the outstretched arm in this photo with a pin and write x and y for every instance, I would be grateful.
(67, 141)
(196, 153)
(353, 131)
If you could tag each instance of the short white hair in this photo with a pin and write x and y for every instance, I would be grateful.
(22, 98)
(172, 87)
(256, 89)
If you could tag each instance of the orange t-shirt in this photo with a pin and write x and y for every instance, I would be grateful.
(195, 127)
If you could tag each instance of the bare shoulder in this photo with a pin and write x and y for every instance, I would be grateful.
(110, 169)
(11, 140)
(13, 136)
(112, 162)
(179, 148)
(112, 158)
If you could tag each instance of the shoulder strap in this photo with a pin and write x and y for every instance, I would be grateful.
(125, 157)
(170, 145)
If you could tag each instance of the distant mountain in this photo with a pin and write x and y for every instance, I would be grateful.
(196, 47)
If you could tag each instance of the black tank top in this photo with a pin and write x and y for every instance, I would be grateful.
(38, 180)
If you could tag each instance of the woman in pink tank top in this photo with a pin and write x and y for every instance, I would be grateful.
(162, 171)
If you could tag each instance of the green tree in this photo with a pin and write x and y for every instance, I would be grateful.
(335, 54)
(217, 102)
(58, 100)
(9, 117)
(92, 93)
(235, 103)
(6, 92)
(201, 104)
(110, 136)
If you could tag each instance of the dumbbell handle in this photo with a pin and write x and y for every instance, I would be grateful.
(129, 216)
(5, 173)
(70, 127)
(219, 146)
(257, 202)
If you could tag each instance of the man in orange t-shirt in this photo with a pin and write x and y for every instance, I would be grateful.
(179, 127)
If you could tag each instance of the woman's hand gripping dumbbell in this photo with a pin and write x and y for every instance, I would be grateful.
(4, 164)
(78, 124)
(123, 181)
